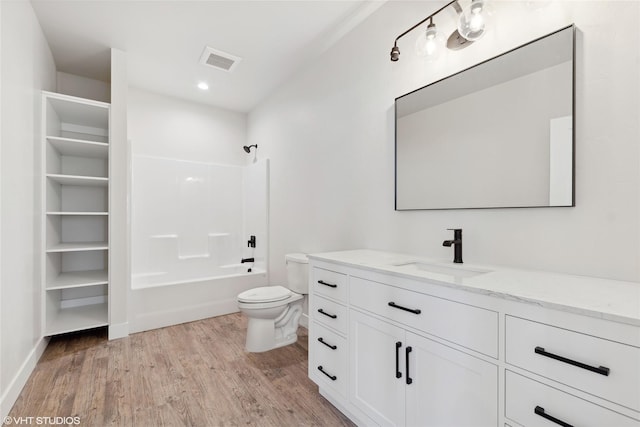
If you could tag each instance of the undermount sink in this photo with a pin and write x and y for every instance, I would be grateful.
(458, 272)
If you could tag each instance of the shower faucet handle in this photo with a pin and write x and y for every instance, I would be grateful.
(252, 242)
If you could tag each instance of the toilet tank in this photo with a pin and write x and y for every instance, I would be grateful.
(297, 273)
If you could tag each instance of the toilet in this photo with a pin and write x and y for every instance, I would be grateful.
(274, 311)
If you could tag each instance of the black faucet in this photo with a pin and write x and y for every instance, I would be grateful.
(243, 260)
(457, 244)
(252, 242)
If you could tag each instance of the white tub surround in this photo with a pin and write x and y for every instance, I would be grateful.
(402, 340)
(192, 221)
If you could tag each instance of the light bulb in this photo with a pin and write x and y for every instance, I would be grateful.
(473, 20)
(430, 44)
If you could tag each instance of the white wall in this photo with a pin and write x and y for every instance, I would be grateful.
(83, 87)
(27, 67)
(329, 133)
(169, 127)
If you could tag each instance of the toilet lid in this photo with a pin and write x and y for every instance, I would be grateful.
(265, 294)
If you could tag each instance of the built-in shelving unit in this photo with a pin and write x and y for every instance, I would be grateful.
(75, 244)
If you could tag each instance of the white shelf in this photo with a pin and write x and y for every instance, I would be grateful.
(76, 279)
(79, 213)
(79, 180)
(80, 111)
(75, 200)
(79, 246)
(79, 147)
(77, 318)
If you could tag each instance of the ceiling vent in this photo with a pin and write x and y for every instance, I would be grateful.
(218, 59)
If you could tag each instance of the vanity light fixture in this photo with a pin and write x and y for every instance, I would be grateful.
(473, 20)
(472, 25)
(431, 44)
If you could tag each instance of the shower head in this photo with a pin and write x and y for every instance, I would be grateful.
(247, 148)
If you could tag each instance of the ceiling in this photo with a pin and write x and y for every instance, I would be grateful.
(165, 39)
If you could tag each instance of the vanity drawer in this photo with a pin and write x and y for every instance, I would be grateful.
(329, 283)
(328, 351)
(469, 326)
(551, 352)
(329, 313)
(530, 403)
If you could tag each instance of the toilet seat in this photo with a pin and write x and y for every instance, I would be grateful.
(264, 294)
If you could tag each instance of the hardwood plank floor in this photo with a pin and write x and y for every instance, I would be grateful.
(194, 374)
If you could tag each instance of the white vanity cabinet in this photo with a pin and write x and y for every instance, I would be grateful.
(554, 407)
(405, 349)
(597, 366)
(400, 378)
(328, 329)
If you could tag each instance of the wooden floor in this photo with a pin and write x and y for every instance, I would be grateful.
(195, 374)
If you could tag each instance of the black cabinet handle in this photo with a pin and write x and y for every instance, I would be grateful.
(333, 316)
(410, 310)
(409, 379)
(331, 285)
(398, 373)
(332, 347)
(333, 377)
(598, 370)
(540, 411)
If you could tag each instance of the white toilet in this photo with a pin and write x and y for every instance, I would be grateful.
(274, 311)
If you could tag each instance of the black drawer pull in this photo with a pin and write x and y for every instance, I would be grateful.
(398, 373)
(333, 377)
(333, 316)
(409, 379)
(598, 370)
(332, 347)
(410, 310)
(540, 411)
(331, 285)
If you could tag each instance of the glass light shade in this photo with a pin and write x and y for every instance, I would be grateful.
(431, 44)
(473, 20)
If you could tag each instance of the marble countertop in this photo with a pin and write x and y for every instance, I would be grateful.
(613, 300)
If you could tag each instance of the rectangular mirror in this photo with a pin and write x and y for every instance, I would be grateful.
(496, 135)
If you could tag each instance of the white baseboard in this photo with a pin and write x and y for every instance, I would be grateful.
(120, 330)
(17, 383)
(161, 319)
(304, 320)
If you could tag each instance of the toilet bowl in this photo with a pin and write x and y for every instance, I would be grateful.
(274, 311)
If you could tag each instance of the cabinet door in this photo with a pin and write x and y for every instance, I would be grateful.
(374, 386)
(449, 387)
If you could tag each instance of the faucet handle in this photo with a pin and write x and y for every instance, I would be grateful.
(457, 233)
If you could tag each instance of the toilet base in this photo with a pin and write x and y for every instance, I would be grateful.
(268, 334)
(260, 337)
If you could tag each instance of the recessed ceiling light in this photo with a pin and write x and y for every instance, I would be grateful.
(203, 86)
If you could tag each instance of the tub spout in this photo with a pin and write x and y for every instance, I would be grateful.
(247, 260)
